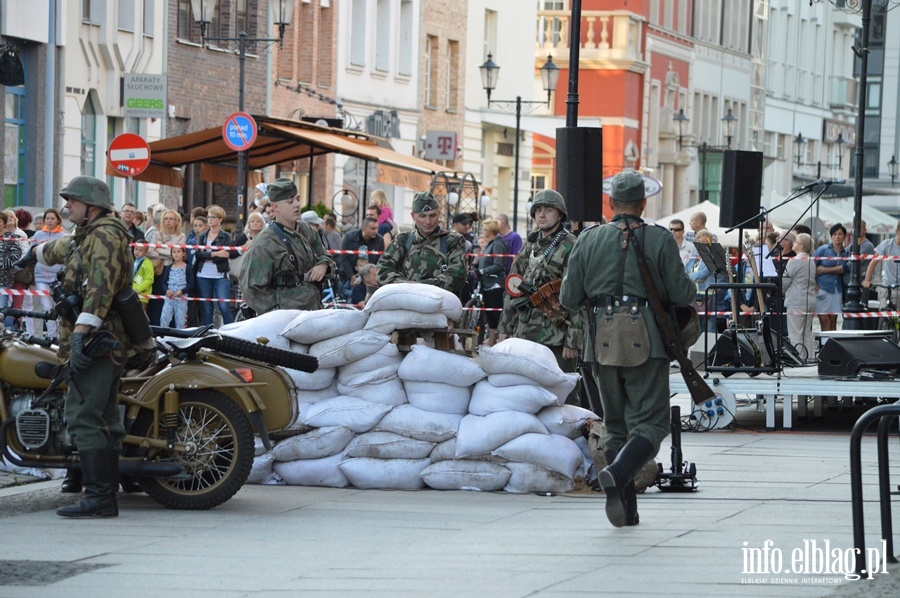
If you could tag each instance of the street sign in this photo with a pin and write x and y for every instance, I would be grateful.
(129, 154)
(239, 131)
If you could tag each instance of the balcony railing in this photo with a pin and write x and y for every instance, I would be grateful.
(605, 35)
(844, 93)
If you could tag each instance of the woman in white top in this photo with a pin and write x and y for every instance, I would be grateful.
(799, 285)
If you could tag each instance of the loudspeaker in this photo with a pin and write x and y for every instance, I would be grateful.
(845, 357)
(741, 188)
(724, 355)
(579, 171)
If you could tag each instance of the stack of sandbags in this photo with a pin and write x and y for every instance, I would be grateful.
(269, 326)
(408, 305)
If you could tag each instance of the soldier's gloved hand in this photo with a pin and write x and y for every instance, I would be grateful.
(78, 361)
(26, 260)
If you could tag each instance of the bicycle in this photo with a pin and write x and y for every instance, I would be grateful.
(891, 323)
(474, 317)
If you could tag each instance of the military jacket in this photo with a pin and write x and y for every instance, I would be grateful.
(424, 261)
(521, 318)
(596, 263)
(267, 257)
(98, 264)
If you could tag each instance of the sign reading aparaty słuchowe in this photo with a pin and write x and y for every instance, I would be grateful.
(144, 95)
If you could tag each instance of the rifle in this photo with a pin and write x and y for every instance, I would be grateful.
(700, 391)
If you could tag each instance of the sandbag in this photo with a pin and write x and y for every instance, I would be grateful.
(479, 435)
(387, 474)
(527, 398)
(446, 451)
(356, 414)
(561, 391)
(262, 472)
(310, 327)
(267, 325)
(424, 364)
(377, 367)
(344, 349)
(387, 392)
(317, 396)
(410, 421)
(313, 472)
(318, 443)
(258, 447)
(466, 475)
(567, 420)
(527, 477)
(552, 451)
(438, 397)
(321, 378)
(389, 320)
(422, 298)
(387, 445)
(509, 379)
(523, 357)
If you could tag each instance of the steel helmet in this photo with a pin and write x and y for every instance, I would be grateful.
(549, 197)
(88, 190)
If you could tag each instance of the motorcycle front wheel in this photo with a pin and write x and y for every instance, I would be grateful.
(221, 438)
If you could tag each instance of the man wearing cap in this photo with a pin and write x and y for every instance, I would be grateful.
(427, 254)
(603, 272)
(286, 259)
(365, 241)
(98, 265)
(312, 218)
(536, 314)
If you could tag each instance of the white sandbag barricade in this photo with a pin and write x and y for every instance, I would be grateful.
(310, 327)
(421, 298)
(267, 325)
(373, 417)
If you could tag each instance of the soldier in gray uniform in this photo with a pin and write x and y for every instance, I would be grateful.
(542, 263)
(428, 254)
(603, 271)
(286, 259)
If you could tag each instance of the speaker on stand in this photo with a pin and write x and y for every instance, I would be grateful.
(741, 188)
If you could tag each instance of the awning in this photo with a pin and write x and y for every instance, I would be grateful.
(277, 141)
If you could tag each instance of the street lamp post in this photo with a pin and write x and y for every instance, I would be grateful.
(892, 168)
(729, 121)
(549, 79)
(282, 11)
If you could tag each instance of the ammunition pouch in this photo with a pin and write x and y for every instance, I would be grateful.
(546, 299)
(287, 279)
(621, 338)
(134, 318)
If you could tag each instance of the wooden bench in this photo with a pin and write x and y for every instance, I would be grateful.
(453, 340)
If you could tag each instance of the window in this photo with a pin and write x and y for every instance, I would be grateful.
(405, 48)
(125, 15)
(187, 29)
(383, 33)
(88, 137)
(241, 18)
(358, 33)
(149, 16)
(86, 10)
(452, 75)
(14, 158)
(490, 33)
(430, 71)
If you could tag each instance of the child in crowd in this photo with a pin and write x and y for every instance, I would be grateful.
(178, 284)
(142, 282)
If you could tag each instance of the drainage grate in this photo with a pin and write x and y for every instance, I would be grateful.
(41, 573)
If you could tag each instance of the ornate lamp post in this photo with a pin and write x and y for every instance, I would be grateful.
(549, 78)
(281, 11)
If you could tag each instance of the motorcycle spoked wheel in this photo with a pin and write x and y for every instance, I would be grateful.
(216, 471)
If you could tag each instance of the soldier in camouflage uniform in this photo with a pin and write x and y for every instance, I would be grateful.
(542, 260)
(603, 270)
(270, 278)
(428, 254)
(98, 265)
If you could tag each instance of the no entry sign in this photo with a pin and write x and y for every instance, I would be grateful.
(239, 131)
(129, 154)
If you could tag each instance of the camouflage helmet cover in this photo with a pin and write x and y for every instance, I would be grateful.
(89, 191)
(549, 197)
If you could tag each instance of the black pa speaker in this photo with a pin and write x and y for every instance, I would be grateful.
(726, 355)
(579, 171)
(845, 357)
(741, 188)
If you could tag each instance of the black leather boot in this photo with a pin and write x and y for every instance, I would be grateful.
(617, 477)
(98, 500)
(72, 483)
(631, 513)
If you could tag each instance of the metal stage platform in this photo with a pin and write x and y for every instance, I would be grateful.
(793, 385)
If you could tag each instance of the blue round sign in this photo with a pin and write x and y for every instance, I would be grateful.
(239, 131)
